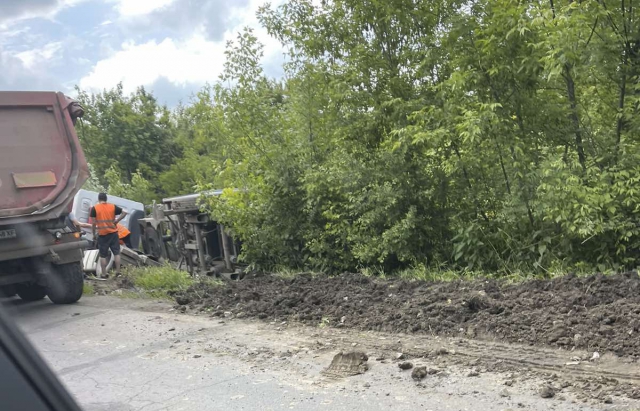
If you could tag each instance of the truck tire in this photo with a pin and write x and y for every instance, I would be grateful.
(7, 291)
(31, 292)
(65, 283)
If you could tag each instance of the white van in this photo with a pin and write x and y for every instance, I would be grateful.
(85, 199)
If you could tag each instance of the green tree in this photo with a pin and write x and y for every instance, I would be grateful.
(131, 133)
(139, 189)
(93, 183)
(200, 137)
(492, 134)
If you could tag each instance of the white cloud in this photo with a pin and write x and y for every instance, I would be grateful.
(81, 60)
(35, 57)
(195, 60)
(139, 7)
(273, 50)
(15, 76)
(14, 11)
(192, 60)
(7, 35)
(72, 3)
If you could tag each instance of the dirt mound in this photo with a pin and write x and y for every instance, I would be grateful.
(599, 313)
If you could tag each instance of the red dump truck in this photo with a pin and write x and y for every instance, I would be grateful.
(42, 166)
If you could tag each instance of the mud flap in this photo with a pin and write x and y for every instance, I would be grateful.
(64, 257)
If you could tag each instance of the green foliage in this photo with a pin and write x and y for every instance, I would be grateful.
(87, 289)
(138, 190)
(324, 322)
(157, 281)
(131, 134)
(200, 137)
(93, 183)
(418, 137)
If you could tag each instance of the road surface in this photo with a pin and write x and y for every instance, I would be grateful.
(121, 354)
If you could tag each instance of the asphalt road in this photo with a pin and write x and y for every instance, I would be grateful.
(124, 354)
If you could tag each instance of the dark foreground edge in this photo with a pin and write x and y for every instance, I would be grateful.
(26, 382)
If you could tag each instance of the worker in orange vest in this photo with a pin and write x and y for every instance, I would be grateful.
(105, 224)
(124, 235)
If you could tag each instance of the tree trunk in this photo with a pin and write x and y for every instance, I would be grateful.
(573, 116)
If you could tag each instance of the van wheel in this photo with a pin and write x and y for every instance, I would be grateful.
(31, 292)
(65, 283)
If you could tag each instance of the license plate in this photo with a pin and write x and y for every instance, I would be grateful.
(5, 234)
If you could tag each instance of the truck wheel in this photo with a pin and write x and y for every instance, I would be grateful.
(31, 292)
(7, 291)
(65, 283)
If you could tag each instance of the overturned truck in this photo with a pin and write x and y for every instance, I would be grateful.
(180, 231)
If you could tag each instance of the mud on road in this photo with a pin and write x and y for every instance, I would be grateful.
(132, 354)
(596, 313)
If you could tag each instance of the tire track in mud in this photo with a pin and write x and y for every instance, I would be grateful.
(497, 355)
(544, 361)
(528, 365)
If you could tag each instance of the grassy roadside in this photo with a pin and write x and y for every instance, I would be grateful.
(142, 282)
(87, 289)
(154, 282)
(425, 273)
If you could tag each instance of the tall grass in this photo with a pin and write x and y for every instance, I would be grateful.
(421, 272)
(288, 272)
(158, 281)
(87, 289)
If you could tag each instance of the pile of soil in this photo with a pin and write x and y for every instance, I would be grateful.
(599, 313)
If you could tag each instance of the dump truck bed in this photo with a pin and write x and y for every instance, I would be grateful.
(41, 163)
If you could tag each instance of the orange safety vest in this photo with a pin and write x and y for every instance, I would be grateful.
(105, 218)
(122, 231)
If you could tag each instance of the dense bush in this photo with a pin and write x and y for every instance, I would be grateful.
(494, 134)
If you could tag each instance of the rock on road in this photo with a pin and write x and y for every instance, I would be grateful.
(127, 354)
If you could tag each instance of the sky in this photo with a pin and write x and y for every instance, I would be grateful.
(172, 47)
